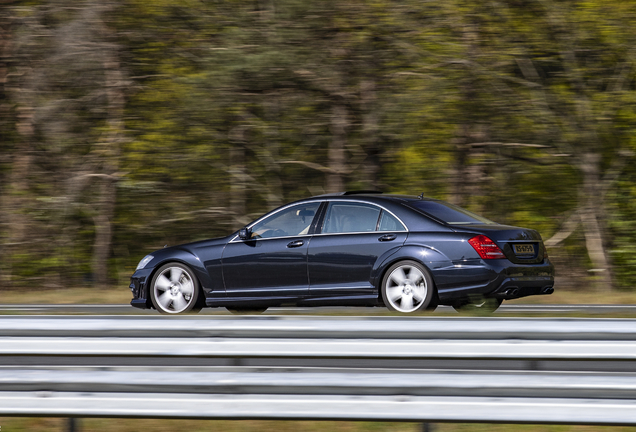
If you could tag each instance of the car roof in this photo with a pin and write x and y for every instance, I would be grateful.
(374, 196)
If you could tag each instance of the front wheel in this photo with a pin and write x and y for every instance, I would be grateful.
(175, 289)
(407, 287)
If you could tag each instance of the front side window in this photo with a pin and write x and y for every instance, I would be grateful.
(350, 217)
(292, 221)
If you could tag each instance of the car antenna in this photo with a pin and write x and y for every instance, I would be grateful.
(421, 196)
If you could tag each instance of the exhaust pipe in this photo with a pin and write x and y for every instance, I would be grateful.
(512, 292)
(548, 290)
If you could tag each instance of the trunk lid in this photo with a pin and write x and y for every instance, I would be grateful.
(519, 245)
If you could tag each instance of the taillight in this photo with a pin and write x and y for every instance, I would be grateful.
(545, 252)
(486, 248)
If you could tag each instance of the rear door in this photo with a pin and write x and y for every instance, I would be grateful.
(343, 253)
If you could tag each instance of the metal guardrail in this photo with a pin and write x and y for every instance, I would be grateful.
(367, 408)
(320, 348)
(349, 386)
(400, 328)
(323, 382)
(505, 309)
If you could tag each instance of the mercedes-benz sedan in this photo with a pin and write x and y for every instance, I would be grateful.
(406, 253)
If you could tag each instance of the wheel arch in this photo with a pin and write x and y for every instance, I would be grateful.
(422, 255)
(184, 258)
(194, 304)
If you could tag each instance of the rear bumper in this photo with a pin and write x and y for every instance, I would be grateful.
(494, 278)
(514, 288)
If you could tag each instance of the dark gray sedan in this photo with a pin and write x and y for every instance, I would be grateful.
(406, 253)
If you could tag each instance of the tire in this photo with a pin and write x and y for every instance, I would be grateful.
(407, 287)
(246, 311)
(432, 306)
(486, 305)
(175, 290)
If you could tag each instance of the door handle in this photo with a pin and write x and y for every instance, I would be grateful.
(388, 237)
(295, 243)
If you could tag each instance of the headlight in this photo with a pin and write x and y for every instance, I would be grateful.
(144, 261)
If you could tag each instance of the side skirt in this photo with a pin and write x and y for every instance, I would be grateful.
(365, 300)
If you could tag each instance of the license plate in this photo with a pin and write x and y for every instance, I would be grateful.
(524, 249)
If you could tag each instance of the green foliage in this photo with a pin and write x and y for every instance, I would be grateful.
(623, 226)
(229, 112)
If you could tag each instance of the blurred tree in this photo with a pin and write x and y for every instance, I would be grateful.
(129, 124)
(19, 92)
(7, 122)
(67, 89)
(582, 61)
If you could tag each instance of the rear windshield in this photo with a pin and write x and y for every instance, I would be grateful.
(449, 213)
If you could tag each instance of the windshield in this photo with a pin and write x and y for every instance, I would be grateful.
(449, 213)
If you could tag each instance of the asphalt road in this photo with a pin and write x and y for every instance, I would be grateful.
(119, 309)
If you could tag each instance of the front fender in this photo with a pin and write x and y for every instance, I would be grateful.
(182, 256)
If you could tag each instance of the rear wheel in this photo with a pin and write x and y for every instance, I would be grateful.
(407, 287)
(174, 289)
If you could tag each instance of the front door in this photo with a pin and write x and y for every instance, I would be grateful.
(273, 262)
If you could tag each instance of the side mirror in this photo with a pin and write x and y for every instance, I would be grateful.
(245, 233)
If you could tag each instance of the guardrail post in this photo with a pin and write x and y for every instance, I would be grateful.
(73, 424)
(427, 427)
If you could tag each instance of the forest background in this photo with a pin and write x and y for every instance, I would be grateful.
(129, 124)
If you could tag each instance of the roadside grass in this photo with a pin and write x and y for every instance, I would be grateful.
(580, 296)
(118, 295)
(21, 424)
(122, 295)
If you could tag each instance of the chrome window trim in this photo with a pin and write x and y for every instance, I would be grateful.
(406, 229)
(358, 232)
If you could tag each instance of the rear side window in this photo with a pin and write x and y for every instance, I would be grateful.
(449, 213)
(350, 218)
(388, 222)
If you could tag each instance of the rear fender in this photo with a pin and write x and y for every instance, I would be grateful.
(429, 257)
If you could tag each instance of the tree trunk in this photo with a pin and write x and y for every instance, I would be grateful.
(460, 176)
(103, 229)
(591, 199)
(274, 190)
(111, 151)
(274, 182)
(458, 172)
(237, 185)
(16, 195)
(5, 124)
(19, 179)
(370, 128)
(336, 154)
